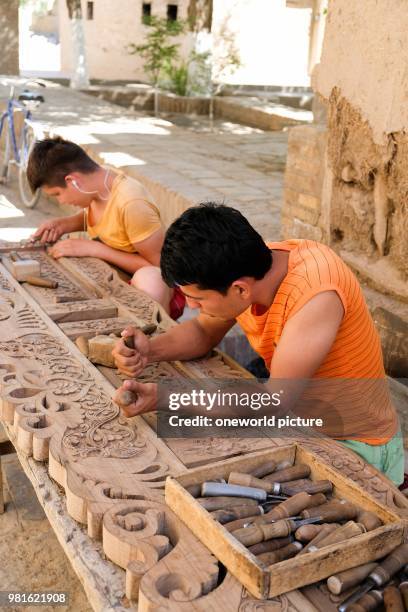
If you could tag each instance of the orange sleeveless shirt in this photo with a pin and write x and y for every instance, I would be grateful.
(356, 351)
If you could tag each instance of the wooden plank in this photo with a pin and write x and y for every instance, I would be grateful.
(81, 311)
(94, 327)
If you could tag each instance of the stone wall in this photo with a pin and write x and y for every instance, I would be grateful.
(9, 37)
(347, 181)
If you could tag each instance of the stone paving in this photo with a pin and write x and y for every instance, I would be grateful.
(182, 164)
(35, 559)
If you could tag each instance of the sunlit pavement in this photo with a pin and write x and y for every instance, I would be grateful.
(236, 164)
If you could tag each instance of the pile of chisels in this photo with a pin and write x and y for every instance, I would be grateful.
(278, 512)
(381, 585)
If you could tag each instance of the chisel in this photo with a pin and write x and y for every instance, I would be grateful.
(269, 558)
(380, 575)
(258, 533)
(284, 510)
(211, 489)
(276, 488)
(369, 601)
(223, 502)
(340, 534)
(332, 511)
(338, 583)
(291, 473)
(264, 469)
(270, 545)
(403, 587)
(393, 601)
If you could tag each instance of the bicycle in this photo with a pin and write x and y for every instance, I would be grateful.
(16, 147)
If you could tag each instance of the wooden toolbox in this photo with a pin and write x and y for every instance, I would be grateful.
(262, 581)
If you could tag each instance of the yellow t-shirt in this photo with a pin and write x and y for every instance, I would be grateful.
(130, 216)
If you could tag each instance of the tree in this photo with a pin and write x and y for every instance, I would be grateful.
(158, 52)
(80, 76)
(199, 14)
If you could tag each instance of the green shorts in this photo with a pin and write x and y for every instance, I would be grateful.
(387, 458)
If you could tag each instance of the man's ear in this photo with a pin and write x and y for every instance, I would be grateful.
(69, 178)
(242, 287)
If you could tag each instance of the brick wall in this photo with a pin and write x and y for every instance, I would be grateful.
(302, 213)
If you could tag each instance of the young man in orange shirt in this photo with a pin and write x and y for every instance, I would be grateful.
(116, 211)
(301, 308)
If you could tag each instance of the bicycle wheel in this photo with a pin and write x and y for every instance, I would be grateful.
(5, 147)
(29, 198)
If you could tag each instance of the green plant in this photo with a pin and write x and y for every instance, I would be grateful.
(179, 78)
(158, 52)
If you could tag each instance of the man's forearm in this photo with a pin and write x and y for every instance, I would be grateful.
(185, 341)
(130, 262)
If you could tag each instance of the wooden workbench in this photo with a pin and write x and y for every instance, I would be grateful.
(57, 410)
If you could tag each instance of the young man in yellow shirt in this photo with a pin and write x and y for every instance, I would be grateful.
(116, 210)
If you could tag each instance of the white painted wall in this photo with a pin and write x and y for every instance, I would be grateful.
(273, 40)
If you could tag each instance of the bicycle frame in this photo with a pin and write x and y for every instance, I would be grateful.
(8, 116)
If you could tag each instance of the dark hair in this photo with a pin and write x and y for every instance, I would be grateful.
(52, 159)
(212, 245)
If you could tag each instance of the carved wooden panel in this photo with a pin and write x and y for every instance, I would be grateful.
(100, 277)
(59, 408)
(68, 289)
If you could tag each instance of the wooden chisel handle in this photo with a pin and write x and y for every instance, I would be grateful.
(129, 341)
(270, 545)
(41, 282)
(319, 486)
(345, 532)
(195, 489)
(258, 533)
(332, 512)
(293, 505)
(264, 469)
(338, 583)
(146, 329)
(366, 603)
(369, 520)
(124, 398)
(404, 592)
(307, 533)
(233, 514)
(291, 473)
(239, 523)
(391, 565)
(246, 480)
(269, 558)
(222, 503)
(393, 601)
(326, 529)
